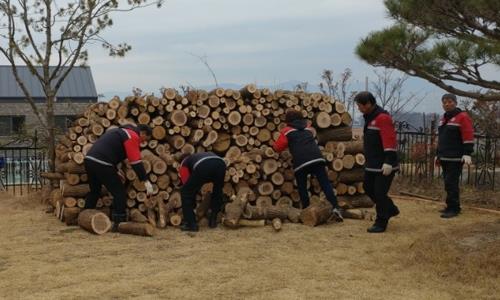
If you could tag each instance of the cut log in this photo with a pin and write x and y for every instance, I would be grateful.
(348, 161)
(52, 176)
(276, 223)
(178, 118)
(69, 202)
(356, 201)
(351, 176)
(94, 221)
(265, 188)
(71, 216)
(72, 179)
(234, 210)
(360, 159)
(316, 214)
(222, 144)
(142, 229)
(351, 147)
(265, 212)
(269, 166)
(159, 133)
(334, 134)
(136, 216)
(322, 120)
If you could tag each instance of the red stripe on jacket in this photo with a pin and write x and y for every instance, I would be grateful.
(132, 146)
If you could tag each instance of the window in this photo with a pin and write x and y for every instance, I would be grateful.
(11, 125)
(64, 122)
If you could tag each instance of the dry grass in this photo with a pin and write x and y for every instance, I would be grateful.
(469, 195)
(420, 257)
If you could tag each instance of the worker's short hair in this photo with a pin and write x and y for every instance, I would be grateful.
(145, 128)
(452, 97)
(181, 156)
(364, 98)
(292, 115)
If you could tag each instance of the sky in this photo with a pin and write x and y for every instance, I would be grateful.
(267, 42)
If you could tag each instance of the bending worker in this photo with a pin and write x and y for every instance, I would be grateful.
(298, 136)
(100, 163)
(196, 170)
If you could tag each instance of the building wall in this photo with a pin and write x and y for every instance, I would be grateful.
(31, 122)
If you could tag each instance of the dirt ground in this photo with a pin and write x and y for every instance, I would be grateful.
(421, 256)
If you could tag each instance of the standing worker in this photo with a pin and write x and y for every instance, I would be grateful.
(379, 138)
(298, 135)
(100, 164)
(455, 146)
(194, 171)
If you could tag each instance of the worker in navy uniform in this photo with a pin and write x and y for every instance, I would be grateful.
(299, 137)
(100, 163)
(379, 138)
(455, 146)
(194, 171)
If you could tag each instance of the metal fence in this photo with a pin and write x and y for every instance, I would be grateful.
(417, 151)
(20, 168)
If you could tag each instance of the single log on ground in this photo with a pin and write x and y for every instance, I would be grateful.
(142, 229)
(266, 212)
(234, 210)
(94, 221)
(355, 201)
(316, 214)
(359, 214)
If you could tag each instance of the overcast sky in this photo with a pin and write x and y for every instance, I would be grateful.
(267, 42)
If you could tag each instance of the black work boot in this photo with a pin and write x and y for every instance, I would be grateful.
(394, 211)
(212, 220)
(117, 219)
(379, 226)
(189, 227)
(450, 213)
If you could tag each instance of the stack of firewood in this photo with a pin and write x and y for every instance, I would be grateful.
(238, 125)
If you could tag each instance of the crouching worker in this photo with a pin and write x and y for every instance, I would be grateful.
(196, 170)
(299, 136)
(100, 164)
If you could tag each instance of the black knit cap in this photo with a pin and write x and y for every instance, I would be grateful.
(449, 96)
(145, 128)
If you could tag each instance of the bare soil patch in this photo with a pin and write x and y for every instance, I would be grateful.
(420, 257)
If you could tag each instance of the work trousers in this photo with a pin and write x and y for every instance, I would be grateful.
(318, 170)
(99, 175)
(377, 186)
(451, 175)
(210, 170)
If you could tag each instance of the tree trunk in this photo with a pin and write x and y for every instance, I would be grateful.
(94, 221)
(142, 229)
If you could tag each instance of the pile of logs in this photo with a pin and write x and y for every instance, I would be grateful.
(239, 125)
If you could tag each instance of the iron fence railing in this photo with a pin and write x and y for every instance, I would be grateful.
(20, 168)
(417, 150)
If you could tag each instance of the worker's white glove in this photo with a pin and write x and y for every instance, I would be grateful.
(386, 169)
(466, 159)
(437, 162)
(149, 187)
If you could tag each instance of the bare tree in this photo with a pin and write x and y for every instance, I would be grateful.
(339, 89)
(204, 60)
(390, 92)
(51, 37)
